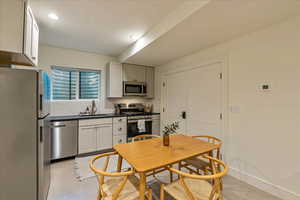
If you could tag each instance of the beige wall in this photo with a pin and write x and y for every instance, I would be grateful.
(49, 56)
(263, 139)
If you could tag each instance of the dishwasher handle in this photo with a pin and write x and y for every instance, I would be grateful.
(58, 126)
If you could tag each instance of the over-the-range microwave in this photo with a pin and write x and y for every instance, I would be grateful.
(134, 88)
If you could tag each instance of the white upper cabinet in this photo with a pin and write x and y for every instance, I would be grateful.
(11, 26)
(134, 73)
(150, 82)
(19, 36)
(31, 33)
(35, 43)
(28, 32)
(114, 83)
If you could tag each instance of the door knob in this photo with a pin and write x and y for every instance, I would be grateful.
(183, 114)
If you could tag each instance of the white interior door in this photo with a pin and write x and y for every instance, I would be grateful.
(198, 91)
(175, 99)
(204, 100)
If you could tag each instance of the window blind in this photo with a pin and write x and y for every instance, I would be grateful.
(64, 84)
(89, 85)
(72, 84)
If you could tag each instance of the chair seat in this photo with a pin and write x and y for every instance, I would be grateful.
(200, 189)
(130, 191)
(198, 162)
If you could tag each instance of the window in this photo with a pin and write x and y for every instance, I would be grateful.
(88, 85)
(72, 84)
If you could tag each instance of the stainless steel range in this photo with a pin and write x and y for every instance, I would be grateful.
(133, 125)
(138, 121)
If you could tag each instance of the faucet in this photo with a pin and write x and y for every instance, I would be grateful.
(93, 108)
(90, 110)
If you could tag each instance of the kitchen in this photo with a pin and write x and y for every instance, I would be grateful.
(83, 85)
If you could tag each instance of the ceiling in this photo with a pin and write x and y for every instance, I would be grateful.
(101, 26)
(105, 26)
(218, 21)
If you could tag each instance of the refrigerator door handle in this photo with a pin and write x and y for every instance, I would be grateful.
(41, 102)
(41, 134)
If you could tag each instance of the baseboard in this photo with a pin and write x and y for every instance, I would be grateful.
(266, 186)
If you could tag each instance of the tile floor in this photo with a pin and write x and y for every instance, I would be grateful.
(64, 186)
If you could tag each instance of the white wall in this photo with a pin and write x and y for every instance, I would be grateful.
(49, 56)
(264, 137)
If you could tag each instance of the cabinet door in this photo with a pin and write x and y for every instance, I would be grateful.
(150, 82)
(35, 43)
(104, 137)
(114, 80)
(87, 139)
(28, 33)
(134, 73)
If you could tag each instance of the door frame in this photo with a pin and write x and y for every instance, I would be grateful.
(225, 135)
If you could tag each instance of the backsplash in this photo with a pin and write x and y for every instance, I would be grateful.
(62, 108)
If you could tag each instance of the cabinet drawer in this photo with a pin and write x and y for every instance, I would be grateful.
(120, 120)
(94, 122)
(120, 129)
(119, 139)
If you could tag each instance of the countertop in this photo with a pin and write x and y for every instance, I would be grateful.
(97, 116)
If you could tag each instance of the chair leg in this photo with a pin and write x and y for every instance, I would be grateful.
(150, 194)
(99, 195)
(171, 175)
(162, 192)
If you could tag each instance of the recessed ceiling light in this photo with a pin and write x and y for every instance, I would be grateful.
(53, 16)
(134, 37)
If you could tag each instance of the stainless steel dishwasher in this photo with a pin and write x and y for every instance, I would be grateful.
(64, 138)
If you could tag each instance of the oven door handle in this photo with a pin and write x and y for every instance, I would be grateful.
(134, 121)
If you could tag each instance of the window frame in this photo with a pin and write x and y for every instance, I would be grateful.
(77, 84)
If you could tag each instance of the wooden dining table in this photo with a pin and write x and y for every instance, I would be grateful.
(148, 155)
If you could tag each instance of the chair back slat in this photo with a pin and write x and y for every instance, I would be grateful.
(143, 137)
(213, 140)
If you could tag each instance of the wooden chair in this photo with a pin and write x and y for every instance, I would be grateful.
(197, 187)
(198, 162)
(116, 185)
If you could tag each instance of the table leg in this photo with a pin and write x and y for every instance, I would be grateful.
(142, 185)
(120, 159)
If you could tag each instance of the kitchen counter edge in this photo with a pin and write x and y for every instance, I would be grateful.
(78, 117)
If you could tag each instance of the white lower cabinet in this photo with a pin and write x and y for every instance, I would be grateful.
(87, 139)
(119, 130)
(119, 139)
(95, 135)
(104, 137)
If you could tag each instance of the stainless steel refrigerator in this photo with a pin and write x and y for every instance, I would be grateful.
(24, 139)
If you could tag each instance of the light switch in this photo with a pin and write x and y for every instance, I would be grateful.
(235, 109)
(266, 87)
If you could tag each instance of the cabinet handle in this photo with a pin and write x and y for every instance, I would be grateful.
(120, 129)
(120, 141)
(33, 58)
(120, 120)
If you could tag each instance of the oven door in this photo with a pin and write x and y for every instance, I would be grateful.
(132, 128)
(134, 89)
